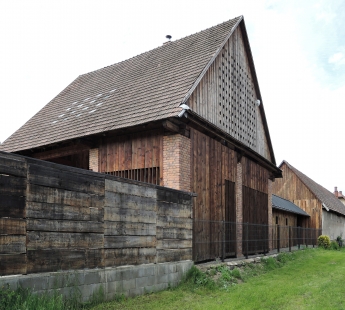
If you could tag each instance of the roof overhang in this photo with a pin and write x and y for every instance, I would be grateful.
(195, 120)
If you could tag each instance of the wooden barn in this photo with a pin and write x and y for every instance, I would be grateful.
(187, 115)
(325, 209)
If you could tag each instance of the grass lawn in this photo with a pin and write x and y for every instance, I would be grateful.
(313, 279)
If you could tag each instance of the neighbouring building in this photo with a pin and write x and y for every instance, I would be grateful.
(339, 194)
(325, 209)
(187, 115)
(286, 213)
(288, 217)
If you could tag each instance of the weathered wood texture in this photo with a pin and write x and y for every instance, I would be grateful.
(137, 157)
(292, 188)
(64, 215)
(142, 224)
(55, 217)
(255, 212)
(226, 96)
(254, 176)
(13, 182)
(173, 241)
(213, 171)
(284, 220)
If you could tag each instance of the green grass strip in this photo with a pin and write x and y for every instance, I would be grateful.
(309, 279)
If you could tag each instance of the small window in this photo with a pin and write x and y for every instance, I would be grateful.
(276, 220)
(286, 222)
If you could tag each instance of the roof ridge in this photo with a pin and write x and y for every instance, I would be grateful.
(162, 46)
(321, 196)
(293, 168)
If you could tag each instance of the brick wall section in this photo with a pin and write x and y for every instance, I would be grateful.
(176, 162)
(269, 193)
(93, 160)
(239, 209)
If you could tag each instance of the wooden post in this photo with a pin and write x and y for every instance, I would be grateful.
(289, 238)
(223, 241)
(278, 238)
(247, 234)
(299, 236)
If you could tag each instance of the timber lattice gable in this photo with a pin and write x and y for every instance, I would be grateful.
(227, 97)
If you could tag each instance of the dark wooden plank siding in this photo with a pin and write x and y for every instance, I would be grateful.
(64, 210)
(174, 227)
(55, 217)
(211, 165)
(255, 213)
(13, 183)
(284, 220)
(136, 156)
(254, 176)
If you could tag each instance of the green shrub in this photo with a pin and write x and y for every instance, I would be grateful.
(340, 241)
(196, 278)
(334, 245)
(324, 241)
(236, 273)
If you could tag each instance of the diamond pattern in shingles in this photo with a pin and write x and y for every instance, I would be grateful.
(324, 195)
(149, 87)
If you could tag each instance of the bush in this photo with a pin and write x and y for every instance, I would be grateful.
(334, 245)
(196, 278)
(324, 241)
(340, 241)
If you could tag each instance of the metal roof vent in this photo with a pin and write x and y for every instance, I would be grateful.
(169, 38)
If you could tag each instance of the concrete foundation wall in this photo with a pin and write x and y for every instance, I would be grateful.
(333, 225)
(112, 281)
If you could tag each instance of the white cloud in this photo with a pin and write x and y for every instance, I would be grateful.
(337, 58)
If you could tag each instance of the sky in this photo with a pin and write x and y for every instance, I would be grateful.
(298, 49)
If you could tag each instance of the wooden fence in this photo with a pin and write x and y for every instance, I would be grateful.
(54, 217)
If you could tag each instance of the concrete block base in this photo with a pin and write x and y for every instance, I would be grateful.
(111, 281)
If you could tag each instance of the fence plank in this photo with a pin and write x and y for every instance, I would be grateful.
(132, 189)
(37, 240)
(10, 244)
(65, 226)
(11, 226)
(129, 256)
(37, 193)
(12, 206)
(64, 259)
(174, 233)
(129, 215)
(126, 228)
(63, 212)
(173, 209)
(11, 185)
(12, 264)
(120, 200)
(62, 178)
(169, 255)
(119, 242)
(177, 222)
(173, 244)
(12, 166)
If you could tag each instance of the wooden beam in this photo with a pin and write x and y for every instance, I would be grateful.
(65, 151)
(171, 126)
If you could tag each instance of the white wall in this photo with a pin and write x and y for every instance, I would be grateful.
(333, 224)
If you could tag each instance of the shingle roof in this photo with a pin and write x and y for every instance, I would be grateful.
(286, 205)
(324, 195)
(145, 88)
